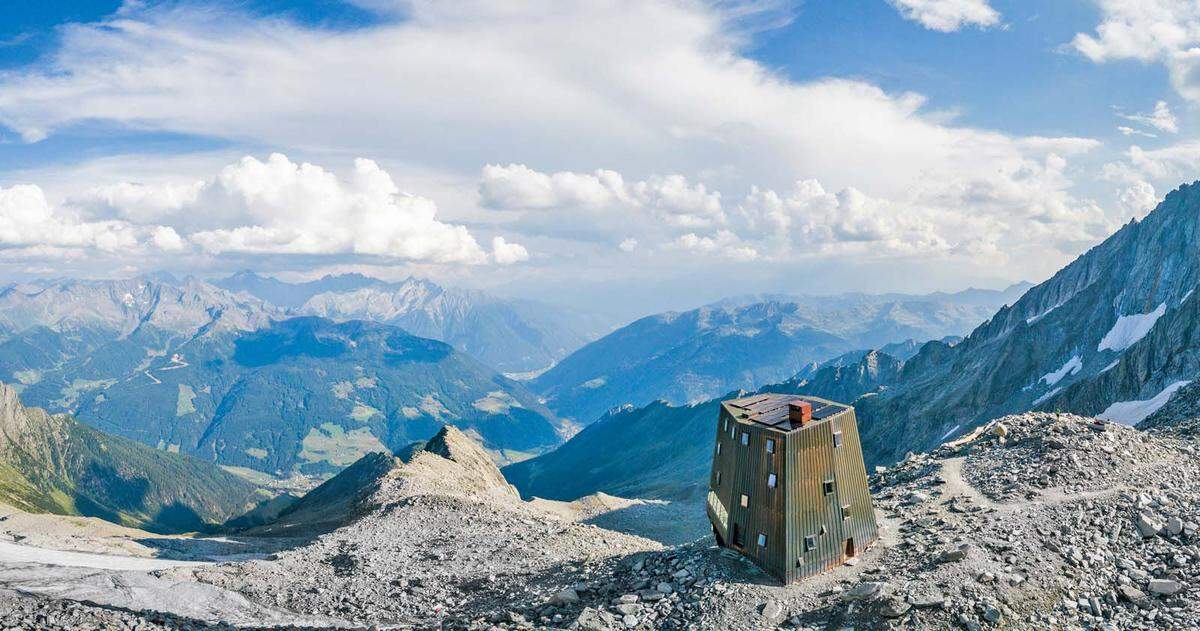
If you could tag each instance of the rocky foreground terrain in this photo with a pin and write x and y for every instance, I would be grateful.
(1034, 521)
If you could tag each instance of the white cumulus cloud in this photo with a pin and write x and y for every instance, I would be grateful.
(1162, 119)
(1164, 31)
(251, 207)
(506, 253)
(304, 209)
(948, 15)
(27, 218)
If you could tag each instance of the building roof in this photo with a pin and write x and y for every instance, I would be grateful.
(772, 411)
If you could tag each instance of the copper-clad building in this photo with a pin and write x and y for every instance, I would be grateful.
(788, 487)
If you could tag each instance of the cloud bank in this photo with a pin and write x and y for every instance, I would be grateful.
(274, 207)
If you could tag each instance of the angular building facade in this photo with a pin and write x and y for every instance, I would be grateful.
(788, 487)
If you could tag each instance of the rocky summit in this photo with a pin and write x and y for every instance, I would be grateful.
(1038, 520)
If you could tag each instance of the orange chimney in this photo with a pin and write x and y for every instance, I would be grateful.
(800, 412)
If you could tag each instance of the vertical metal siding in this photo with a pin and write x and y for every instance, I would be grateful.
(855, 492)
(723, 463)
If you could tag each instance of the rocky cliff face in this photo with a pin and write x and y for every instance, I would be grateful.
(1109, 335)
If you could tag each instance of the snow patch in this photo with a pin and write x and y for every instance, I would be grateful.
(1134, 412)
(1110, 366)
(1073, 366)
(1043, 314)
(1129, 329)
(1046, 397)
(16, 553)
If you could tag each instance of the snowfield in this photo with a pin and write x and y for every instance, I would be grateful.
(1134, 412)
(1073, 365)
(16, 553)
(1130, 328)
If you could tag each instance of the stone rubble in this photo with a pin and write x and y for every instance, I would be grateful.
(1039, 521)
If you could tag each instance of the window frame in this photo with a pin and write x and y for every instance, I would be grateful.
(828, 487)
(810, 543)
(718, 478)
(745, 439)
(770, 445)
(837, 440)
(772, 480)
(744, 501)
(762, 540)
(718, 447)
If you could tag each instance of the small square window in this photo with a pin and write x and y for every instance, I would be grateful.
(770, 445)
(827, 487)
(762, 540)
(745, 501)
(745, 438)
(810, 543)
(846, 512)
(837, 439)
(772, 480)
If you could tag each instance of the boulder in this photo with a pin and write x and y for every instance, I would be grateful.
(1147, 525)
(567, 596)
(595, 620)
(1135, 596)
(894, 608)
(772, 611)
(864, 591)
(1165, 586)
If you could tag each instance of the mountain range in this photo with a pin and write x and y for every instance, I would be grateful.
(53, 463)
(1112, 335)
(187, 366)
(749, 341)
(308, 395)
(510, 335)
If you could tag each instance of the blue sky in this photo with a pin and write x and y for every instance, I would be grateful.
(663, 153)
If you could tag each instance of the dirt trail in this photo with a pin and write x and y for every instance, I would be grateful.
(956, 484)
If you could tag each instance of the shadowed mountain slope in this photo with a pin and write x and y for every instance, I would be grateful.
(55, 464)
